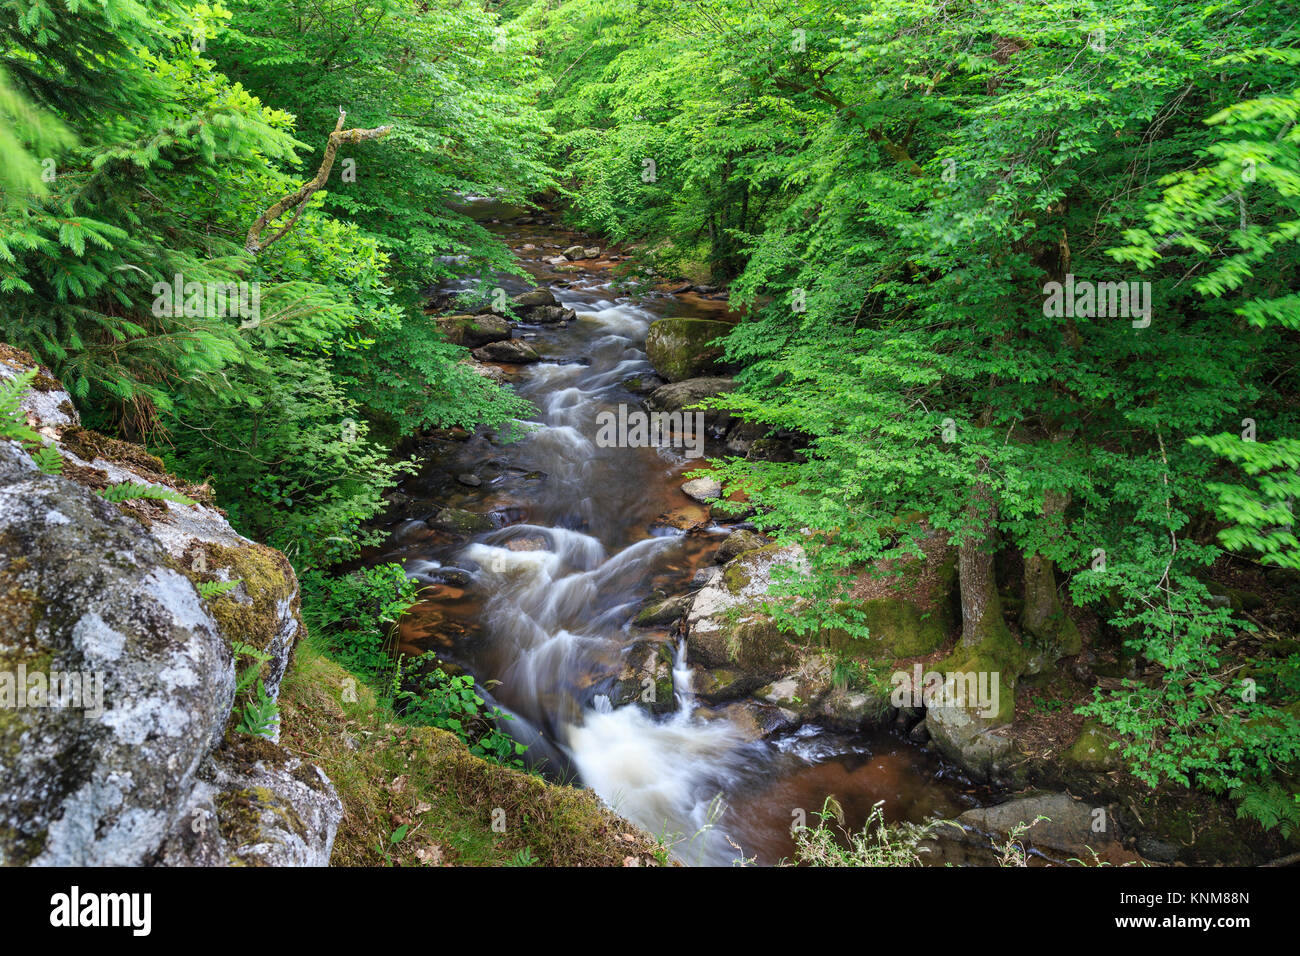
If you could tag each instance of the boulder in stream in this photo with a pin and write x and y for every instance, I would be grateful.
(1071, 826)
(682, 348)
(676, 396)
(507, 351)
(702, 489)
(473, 331)
(725, 629)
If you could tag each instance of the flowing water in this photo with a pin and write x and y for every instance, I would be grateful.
(543, 603)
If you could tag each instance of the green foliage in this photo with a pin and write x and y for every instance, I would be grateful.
(133, 491)
(876, 844)
(260, 714)
(384, 847)
(892, 186)
(13, 424)
(1272, 805)
(431, 697)
(156, 163)
(257, 710)
(524, 857)
(208, 590)
(354, 615)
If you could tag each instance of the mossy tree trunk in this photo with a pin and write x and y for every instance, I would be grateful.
(981, 608)
(1044, 614)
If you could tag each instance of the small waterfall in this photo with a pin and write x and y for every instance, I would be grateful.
(552, 597)
(683, 681)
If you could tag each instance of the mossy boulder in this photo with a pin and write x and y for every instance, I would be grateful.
(740, 541)
(681, 348)
(908, 604)
(135, 772)
(461, 521)
(473, 331)
(1091, 750)
(968, 730)
(663, 612)
(726, 628)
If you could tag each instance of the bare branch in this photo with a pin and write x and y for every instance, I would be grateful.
(298, 200)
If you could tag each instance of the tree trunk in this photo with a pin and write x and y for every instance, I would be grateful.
(1044, 615)
(981, 608)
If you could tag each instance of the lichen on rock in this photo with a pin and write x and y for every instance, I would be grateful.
(107, 594)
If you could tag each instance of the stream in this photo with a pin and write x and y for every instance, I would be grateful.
(539, 609)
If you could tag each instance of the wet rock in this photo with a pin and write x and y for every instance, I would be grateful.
(853, 708)
(737, 543)
(663, 612)
(473, 331)
(461, 521)
(1071, 825)
(509, 351)
(972, 738)
(726, 630)
(755, 721)
(534, 298)
(472, 481)
(456, 577)
(550, 315)
(717, 684)
(646, 678)
(490, 372)
(702, 489)
(676, 396)
(682, 348)
(741, 437)
(574, 253)
(642, 384)
(535, 543)
(591, 252)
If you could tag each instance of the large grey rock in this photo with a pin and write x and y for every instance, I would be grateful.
(676, 396)
(87, 592)
(509, 351)
(727, 630)
(969, 738)
(1071, 825)
(92, 588)
(255, 806)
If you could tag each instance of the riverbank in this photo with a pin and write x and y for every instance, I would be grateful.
(667, 634)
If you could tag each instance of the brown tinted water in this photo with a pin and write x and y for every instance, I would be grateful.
(539, 609)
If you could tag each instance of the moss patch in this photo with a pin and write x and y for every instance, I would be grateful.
(391, 775)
